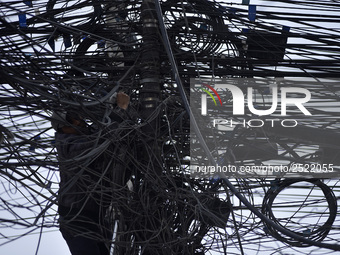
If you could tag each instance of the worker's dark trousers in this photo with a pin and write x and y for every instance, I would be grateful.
(85, 240)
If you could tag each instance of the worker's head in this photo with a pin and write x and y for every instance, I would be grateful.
(67, 122)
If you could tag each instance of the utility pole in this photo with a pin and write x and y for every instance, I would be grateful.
(149, 68)
(150, 93)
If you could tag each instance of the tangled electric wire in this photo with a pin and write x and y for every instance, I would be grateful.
(317, 233)
(74, 55)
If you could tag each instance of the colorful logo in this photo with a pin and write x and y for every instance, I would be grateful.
(209, 93)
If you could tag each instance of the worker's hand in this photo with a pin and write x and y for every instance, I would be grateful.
(123, 100)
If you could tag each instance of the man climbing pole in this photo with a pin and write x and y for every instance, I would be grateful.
(86, 168)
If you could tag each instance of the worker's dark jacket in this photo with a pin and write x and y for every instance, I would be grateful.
(84, 176)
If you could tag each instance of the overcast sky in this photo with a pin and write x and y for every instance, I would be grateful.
(51, 242)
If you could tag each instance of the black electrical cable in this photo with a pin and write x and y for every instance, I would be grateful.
(318, 233)
(37, 80)
(207, 151)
